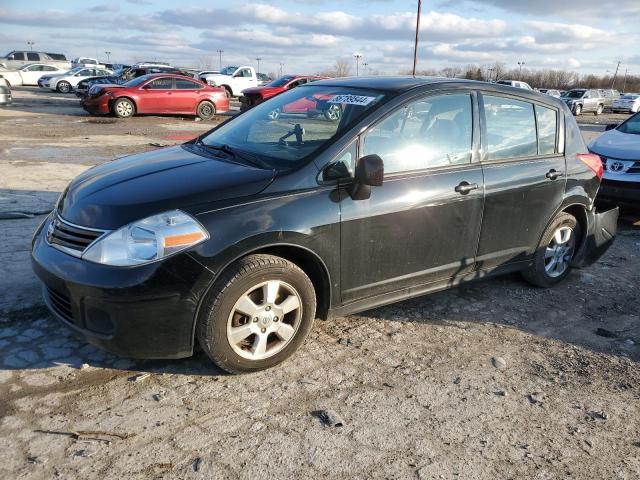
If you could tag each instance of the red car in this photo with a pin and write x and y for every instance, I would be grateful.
(159, 94)
(254, 96)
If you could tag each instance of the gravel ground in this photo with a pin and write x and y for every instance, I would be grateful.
(492, 380)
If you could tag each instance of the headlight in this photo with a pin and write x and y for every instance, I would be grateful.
(147, 240)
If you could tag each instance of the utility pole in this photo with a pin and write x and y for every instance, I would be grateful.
(258, 60)
(520, 64)
(220, 51)
(31, 44)
(357, 56)
(281, 65)
(364, 67)
(415, 46)
(613, 80)
(108, 54)
(624, 84)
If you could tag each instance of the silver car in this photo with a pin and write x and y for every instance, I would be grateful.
(628, 103)
(619, 148)
(582, 100)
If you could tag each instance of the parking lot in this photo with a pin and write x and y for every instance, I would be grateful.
(495, 379)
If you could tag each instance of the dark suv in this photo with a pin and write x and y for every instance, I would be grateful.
(240, 238)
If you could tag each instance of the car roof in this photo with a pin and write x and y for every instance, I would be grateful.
(399, 84)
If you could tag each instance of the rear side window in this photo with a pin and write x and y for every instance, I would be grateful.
(511, 128)
(427, 133)
(34, 57)
(18, 56)
(48, 68)
(547, 120)
(183, 84)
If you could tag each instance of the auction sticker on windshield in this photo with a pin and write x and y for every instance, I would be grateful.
(352, 99)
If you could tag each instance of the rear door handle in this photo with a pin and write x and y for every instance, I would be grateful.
(553, 174)
(465, 187)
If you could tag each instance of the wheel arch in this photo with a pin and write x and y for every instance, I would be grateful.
(579, 211)
(309, 261)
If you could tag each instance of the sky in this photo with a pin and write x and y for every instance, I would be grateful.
(587, 36)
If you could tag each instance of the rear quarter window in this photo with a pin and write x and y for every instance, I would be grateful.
(547, 120)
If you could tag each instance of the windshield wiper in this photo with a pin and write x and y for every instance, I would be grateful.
(247, 157)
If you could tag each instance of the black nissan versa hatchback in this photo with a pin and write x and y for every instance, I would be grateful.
(240, 238)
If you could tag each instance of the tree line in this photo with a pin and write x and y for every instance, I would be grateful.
(544, 78)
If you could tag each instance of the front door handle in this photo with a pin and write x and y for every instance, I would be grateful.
(553, 174)
(465, 187)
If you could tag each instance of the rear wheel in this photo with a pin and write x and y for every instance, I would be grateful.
(257, 314)
(123, 108)
(577, 110)
(552, 260)
(63, 87)
(206, 110)
(599, 110)
(228, 91)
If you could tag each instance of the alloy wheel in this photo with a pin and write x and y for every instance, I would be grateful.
(559, 252)
(124, 109)
(264, 320)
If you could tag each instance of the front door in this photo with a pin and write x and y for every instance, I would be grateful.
(157, 96)
(422, 224)
(524, 173)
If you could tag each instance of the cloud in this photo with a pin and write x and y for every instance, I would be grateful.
(105, 8)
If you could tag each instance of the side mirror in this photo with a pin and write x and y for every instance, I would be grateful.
(369, 173)
(611, 126)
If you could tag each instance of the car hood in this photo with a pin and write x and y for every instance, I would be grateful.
(625, 146)
(267, 91)
(131, 188)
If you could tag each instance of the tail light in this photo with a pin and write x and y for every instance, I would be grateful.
(593, 161)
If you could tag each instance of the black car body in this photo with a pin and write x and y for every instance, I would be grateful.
(360, 240)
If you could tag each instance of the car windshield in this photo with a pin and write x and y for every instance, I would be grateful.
(575, 94)
(136, 81)
(228, 70)
(280, 82)
(290, 127)
(632, 125)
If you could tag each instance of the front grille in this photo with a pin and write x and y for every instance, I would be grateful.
(61, 304)
(72, 238)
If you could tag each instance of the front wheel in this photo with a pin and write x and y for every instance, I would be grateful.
(257, 314)
(123, 108)
(206, 110)
(552, 260)
(333, 113)
(64, 87)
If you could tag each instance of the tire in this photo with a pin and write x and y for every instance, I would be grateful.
(258, 322)
(123, 108)
(577, 110)
(63, 87)
(544, 272)
(333, 113)
(228, 91)
(599, 110)
(206, 110)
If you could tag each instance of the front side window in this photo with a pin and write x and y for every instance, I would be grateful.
(49, 68)
(34, 68)
(245, 72)
(428, 133)
(511, 128)
(547, 120)
(18, 56)
(161, 84)
(288, 128)
(33, 57)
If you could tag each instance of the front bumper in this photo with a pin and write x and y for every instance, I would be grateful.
(96, 105)
(615, 191)
(140, 312)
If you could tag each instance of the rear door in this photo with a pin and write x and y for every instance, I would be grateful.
(156, 96)
(419, 226)
(186, 96)
(524, 172)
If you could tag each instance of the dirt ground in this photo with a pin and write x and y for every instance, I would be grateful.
(494, 380)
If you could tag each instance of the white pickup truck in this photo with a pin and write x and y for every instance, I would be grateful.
(233, 79)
